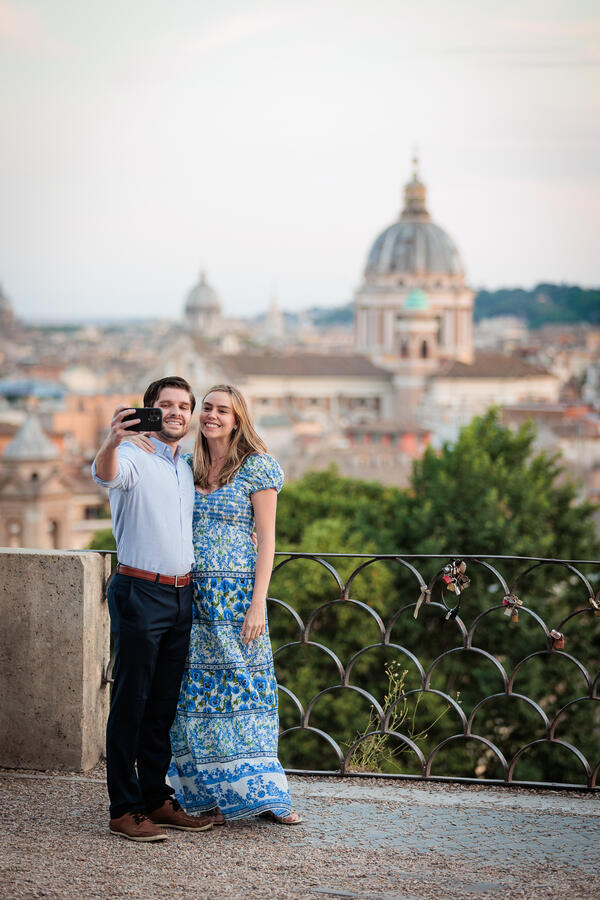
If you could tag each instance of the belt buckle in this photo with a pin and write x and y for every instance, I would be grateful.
(177, 577)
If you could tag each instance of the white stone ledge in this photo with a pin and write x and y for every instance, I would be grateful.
(54, 644)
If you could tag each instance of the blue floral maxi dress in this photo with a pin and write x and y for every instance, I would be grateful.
(224, 737)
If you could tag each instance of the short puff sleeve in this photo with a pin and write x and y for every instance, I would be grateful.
(262, 472)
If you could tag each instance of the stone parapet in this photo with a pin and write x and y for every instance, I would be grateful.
(54, 645)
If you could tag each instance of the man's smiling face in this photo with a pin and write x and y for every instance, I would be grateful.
(177, 414)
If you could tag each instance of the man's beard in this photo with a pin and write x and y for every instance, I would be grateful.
(164, 435)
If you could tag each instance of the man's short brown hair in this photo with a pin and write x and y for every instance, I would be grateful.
(153, 390)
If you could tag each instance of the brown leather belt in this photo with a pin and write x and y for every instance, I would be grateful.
(172, 580)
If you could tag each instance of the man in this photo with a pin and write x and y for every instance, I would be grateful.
(150, 603)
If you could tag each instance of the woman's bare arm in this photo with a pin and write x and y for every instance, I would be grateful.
(265, 508)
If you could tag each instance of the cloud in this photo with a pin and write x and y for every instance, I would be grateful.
(21, 29)
(553, 43)
(587, 31)
(231, 31)
(516, 57)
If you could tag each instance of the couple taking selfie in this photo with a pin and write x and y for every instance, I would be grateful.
(193, 724)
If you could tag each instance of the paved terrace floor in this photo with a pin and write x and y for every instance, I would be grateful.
(361, 838)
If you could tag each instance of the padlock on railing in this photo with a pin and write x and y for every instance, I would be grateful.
(463, 580)
(456, 582)
(454, 577)
(511, 605)
(557, 640)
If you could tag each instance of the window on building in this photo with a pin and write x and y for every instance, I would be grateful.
(53, 534)
(13, 529)
(93, 512)
(424, 350)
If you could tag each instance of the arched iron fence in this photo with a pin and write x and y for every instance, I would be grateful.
(550, 632)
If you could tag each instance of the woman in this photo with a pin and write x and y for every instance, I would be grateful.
(224, 738)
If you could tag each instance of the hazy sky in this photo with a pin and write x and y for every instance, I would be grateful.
(268, 142)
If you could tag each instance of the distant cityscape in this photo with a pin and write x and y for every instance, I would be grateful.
(366, 386)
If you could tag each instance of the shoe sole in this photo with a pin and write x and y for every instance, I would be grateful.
(139, 840)
(185, 827)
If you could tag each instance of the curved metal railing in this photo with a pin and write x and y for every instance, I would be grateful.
(440, 599)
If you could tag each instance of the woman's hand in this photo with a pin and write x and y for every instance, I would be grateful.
(265, 505)
(254, 622)
(142, 439)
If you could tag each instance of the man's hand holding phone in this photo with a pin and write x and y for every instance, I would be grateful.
(128, 422)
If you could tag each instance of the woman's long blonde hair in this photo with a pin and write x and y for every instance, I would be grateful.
(243, 441)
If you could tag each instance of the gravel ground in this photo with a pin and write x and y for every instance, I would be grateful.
(361, 838)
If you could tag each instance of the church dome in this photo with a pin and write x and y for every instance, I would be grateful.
(414, 245)
(202, 297)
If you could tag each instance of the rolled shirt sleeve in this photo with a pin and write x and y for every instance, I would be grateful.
(128, 474)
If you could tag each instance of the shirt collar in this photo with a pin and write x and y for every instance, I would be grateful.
(165, 450)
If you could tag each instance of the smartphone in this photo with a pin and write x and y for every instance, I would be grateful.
(150, 419)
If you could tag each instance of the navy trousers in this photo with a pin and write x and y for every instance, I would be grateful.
(151, 631)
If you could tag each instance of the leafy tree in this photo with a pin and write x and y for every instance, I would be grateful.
(490, 493)
(545, 304)
(103, 540)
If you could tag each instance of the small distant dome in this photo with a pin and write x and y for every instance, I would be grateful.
(202, 311)
(6, 310)
(416, 300)
(30, 443)
(414, 245)
(202, 297)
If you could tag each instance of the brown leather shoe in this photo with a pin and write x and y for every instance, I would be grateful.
(136, 826)
(217, 816)
(171, 815)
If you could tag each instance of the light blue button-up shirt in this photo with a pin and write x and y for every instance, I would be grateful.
(151, 503)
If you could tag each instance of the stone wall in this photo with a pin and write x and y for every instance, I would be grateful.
(54, 645)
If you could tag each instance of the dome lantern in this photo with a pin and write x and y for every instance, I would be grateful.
(415, 196)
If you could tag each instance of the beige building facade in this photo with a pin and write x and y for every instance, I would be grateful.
(44, 503)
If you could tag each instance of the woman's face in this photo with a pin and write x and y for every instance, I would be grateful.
(217, 419)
